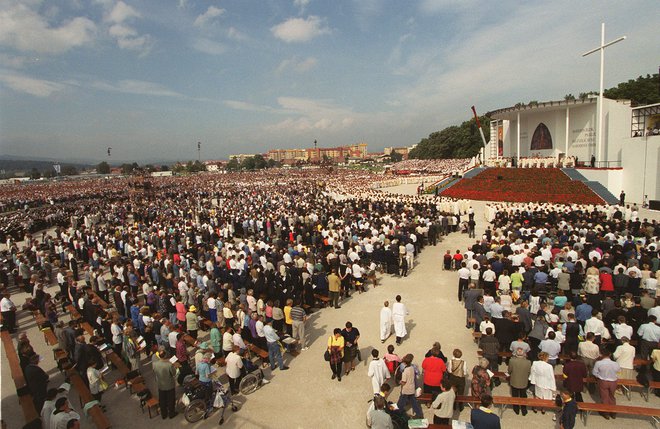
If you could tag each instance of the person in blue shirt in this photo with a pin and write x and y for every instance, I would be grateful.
(583, 311)
(483, 417)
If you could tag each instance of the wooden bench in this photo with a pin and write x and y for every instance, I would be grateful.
(49, 336)
(502, 402)
(96, 413)
(589, 407)
(24, 397)
(324, 300)
(88, 328)
(73, 312)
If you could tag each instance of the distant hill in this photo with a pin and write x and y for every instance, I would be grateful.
(11, 166)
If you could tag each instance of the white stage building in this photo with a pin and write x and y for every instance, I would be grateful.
(566, 131)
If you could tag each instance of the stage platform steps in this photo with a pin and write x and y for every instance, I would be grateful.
(473, 172)
(597, 187)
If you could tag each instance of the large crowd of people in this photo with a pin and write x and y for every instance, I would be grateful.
(249, 253)
(563, 290)
(432, 166)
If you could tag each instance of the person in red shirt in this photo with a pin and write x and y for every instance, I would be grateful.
(606, 283)
(434, 369)
(458, 258)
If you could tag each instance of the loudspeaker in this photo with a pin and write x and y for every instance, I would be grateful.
(654, 204)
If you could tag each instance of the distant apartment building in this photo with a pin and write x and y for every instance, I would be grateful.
(316, 155)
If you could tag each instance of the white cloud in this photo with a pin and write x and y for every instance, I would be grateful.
(299, 29)
(121, 12)
(245, 106)
(308, 115)
(24, 29)
(436, 6)
(297, 65)
(208, 46)
(126, 35)
(28, 85)
(138, 87)
(301, 4)
(206, 17)
(234, 33)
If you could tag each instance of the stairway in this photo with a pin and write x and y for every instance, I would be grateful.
(473, 172)
(447, 183)
(595, 186)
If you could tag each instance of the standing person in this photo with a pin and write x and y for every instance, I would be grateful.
(378, 418)
(542, 376)
(351, 351)
(471, 297)
(334, 287)
(569, 411)
(191, 321)
(463, 279)
(8, 310)
(165, 374)
(299, 317)
(575, 371)
(605, 370)
(37, 382)
(480, 378)
(622, 199)
(434, 369)
(399, 313)
(377, 371)
(274, 352)
(385, 322)
(336, 352)
(97, 384)
(407, 383)
(483, 417)
(233, 369)
(457, 369)
(444, 404)
(519, 370)
(62, 414)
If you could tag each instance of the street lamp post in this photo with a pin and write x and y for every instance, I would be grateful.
(601, 48)
(199, 148)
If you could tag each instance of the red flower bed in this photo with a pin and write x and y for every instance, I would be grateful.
(524, 185)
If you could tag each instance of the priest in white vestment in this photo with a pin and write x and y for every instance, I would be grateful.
(399, 313)
(385, 321)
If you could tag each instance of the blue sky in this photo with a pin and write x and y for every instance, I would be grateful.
(151, 78)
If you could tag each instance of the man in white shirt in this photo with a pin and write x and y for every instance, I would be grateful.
(234, 364)
(624, 355)
(595, 325)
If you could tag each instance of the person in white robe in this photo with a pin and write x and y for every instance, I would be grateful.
(399, 313)
(385, 321)
(542, 376)
(378, 372)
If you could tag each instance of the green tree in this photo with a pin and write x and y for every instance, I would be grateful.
(569, 97)
(259, 162)
(640, 91)
(248, 163)
(69, 170)
(103, 168)
(457, 141)
(232, 165)
(271, 163)
(126, 168)
(396, 156)
(164, 168)
(35, 174)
